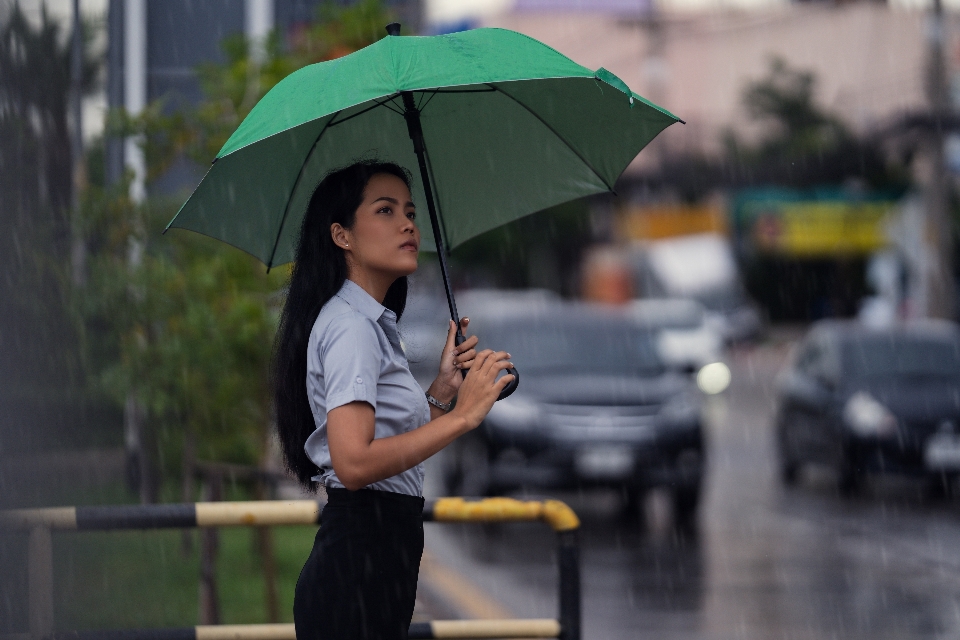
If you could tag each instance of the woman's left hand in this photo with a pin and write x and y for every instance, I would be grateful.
(453, 361)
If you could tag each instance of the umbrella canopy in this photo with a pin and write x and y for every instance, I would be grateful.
(511, 127)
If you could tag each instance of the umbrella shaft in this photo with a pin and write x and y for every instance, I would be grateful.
(412, 116)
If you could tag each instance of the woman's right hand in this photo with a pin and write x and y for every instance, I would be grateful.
(481, 388)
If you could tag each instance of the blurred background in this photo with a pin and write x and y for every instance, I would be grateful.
(784, 266)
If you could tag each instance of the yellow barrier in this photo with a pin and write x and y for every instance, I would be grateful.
(558, 515)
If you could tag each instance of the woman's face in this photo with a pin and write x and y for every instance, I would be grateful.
(384, 239)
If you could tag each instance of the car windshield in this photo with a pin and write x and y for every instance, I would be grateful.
(575, 346)
(901, 356)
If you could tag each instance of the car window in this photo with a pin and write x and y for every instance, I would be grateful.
(808, 358)
(588, 346)
(901, 356)
(818, 361)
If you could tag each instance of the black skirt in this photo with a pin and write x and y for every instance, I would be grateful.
(360, 581)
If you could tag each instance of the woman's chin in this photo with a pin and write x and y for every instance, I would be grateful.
(411, 265)
(406, 267)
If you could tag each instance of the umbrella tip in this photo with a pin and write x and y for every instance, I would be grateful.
(393, 29)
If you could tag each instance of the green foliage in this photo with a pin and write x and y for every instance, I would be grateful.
(804, 145)
(142, 579)
(184, 323)
(192, 324)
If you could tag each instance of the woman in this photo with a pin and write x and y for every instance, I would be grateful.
(350, 414)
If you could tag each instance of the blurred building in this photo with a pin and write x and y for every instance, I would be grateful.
(155, 47)
(868, 58)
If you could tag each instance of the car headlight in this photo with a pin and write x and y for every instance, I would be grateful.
(515, 413)
(682, 409)
(713, 378)
(868, 417)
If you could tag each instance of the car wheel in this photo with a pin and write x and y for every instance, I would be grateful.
(789, 467)
(631, 504)
(849, 475)
(685, 502)
(789, 472)
(939, 486)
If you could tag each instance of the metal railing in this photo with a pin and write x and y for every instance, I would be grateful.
(41, 522)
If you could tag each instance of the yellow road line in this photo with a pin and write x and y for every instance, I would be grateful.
(466, 597)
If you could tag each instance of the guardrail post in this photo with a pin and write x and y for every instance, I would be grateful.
(568, 559)
(40, 582)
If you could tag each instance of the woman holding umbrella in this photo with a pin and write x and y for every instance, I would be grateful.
(349, 412)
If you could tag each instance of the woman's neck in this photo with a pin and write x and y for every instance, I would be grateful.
(376, 284)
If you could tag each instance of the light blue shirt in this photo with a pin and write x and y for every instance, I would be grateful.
(354, 354)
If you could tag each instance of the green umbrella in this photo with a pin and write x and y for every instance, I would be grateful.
(500, 125)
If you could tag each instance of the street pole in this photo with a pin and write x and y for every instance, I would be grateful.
(940, 281)
(78, 251)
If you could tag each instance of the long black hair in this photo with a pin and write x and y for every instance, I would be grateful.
(319, 271)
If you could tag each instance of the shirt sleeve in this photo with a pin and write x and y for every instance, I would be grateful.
(351, 356)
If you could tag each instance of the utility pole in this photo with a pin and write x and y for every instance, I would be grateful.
(78, 249)
(940, 282)
(113, 143)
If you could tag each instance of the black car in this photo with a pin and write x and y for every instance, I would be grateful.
(873, 401)
(596, 406)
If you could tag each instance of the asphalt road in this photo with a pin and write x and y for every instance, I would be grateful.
(764, 561)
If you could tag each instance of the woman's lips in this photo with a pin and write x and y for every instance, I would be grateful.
(410, 246)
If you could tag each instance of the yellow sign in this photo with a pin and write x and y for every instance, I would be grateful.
(815, 229)
(655, 223)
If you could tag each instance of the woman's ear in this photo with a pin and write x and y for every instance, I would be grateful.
(340, 236)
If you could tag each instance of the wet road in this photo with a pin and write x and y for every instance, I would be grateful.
(765, 562)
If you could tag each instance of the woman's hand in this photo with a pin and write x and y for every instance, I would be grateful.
(453, 360)
(481, 388)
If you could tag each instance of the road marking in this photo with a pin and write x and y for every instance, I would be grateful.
(468, 599)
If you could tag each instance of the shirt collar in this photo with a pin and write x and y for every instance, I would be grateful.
(354, 295)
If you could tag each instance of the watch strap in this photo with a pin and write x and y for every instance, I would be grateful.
(443, 406)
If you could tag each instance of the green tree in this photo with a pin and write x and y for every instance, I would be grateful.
(803, 144)
(186, 323)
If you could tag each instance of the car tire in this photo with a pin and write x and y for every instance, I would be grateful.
(789, 467)
(631, 504)
(686, 499)
(939, 486)
(789, 473)
(849, 475)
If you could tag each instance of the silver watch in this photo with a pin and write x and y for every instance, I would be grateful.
(443, 406)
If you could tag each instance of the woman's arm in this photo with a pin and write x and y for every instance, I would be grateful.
(360, 459)
(453, 361)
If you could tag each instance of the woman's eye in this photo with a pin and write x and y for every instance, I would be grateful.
(412, 215)
(384, 210)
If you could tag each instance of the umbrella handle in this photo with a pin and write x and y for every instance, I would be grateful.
(507, 390)
(512, 386)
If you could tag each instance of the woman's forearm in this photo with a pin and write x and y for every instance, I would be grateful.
(359, 459)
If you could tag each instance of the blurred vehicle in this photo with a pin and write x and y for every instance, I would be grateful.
(685, 340)
(866, 400)
(700, 267)
(423, 326)
(596, 406)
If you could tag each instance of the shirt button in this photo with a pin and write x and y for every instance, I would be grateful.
(359, 380)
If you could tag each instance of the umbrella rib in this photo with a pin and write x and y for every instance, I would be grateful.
(556, 133)
(360, 113)
(433, 94)
(286, 208)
